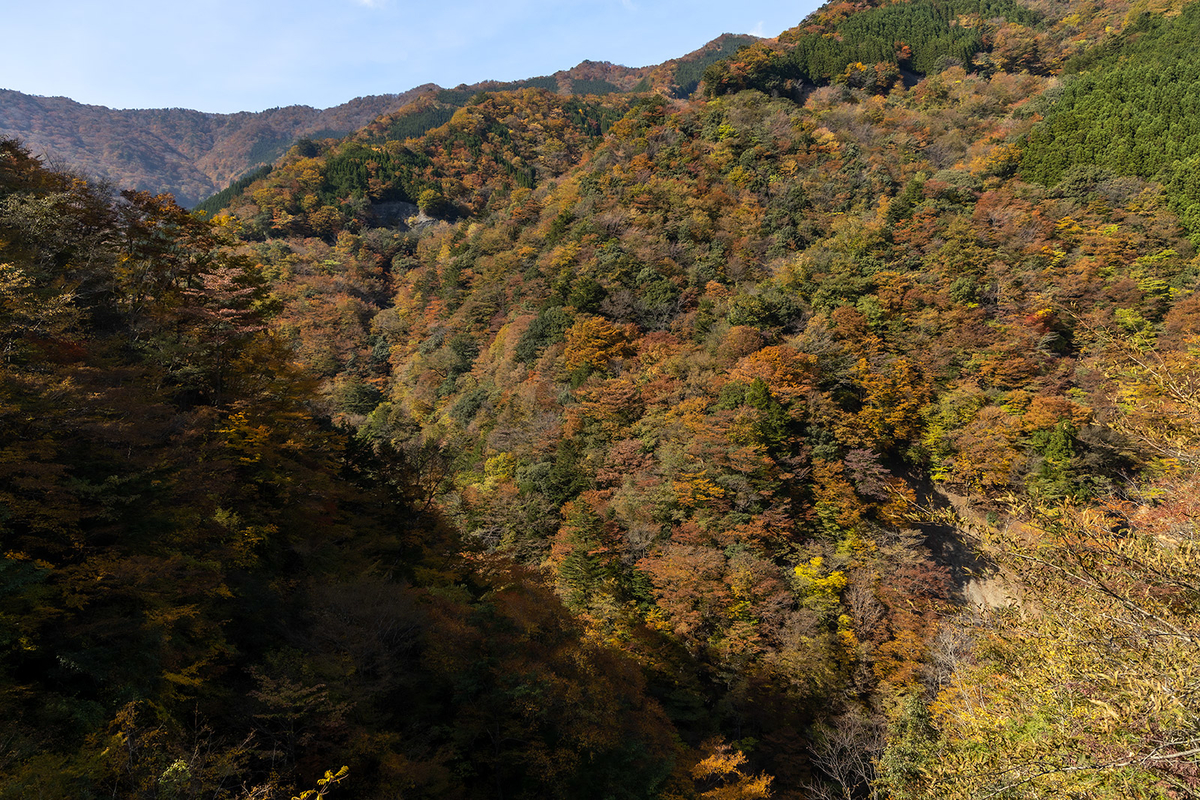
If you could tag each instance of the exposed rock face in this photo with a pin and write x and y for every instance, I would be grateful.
(394, 213)
(979, 582)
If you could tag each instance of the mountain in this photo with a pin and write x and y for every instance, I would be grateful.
(829, 430)
(192, 154)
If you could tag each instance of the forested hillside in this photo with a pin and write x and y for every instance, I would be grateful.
(829, 432)
(194, 155)
(209, 592)
(189, 154)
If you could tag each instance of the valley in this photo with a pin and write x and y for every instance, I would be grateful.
(808, 417)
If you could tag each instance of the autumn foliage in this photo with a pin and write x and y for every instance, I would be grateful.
(810, 438)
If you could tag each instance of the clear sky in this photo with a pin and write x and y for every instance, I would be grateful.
(247, 55)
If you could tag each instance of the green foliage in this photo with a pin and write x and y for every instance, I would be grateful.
(548, 327)
(549, 83)
(174, 556)
(924, 36)
(585, 86)
(462, 349)
(770, 307)
(267, 150)
(594, 118)
(433, 204)
(350, 170)
(417, 123)
(1056, 477)
(221, 199)
(688, 496)
(756, 66)
(912, 747)
(689, 72)
(456, 97)
(1132, 111)
(468, 405)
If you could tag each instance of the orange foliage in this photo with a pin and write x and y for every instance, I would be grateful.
(787, 372)
(595, 342)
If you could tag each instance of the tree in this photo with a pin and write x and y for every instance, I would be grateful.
(433, 204)
(720, 775)
(1080, 691)
(846, 751)
(1080, 695)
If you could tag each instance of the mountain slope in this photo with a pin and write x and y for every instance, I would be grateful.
(207, 592)
(190, 154)
(721, 394)
(704, 363)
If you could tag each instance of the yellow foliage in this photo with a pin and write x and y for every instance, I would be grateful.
(563, 256)
(1159, 401)
(894, 395)
(249, 441)
(1002, 159)
(724, 765)
(324, 784)
(847, 642)
(811, 579)
(500, 466)
(28, 311)
(1104, 651)
(694, 489)
(595, 342)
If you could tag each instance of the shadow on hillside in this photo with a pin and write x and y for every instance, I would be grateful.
(976, 580)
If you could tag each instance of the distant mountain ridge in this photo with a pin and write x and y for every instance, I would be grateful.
(194, 154)
(190, 154)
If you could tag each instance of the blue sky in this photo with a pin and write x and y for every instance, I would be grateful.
(247, 55)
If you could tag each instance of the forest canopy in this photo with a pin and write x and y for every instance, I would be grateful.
(830, 432)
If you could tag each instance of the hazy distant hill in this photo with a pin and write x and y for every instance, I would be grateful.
(188, 153)
(193, 154)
